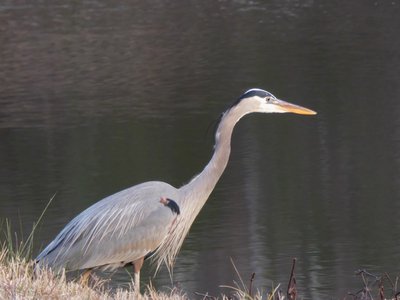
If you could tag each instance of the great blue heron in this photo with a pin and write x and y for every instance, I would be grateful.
(153, 218)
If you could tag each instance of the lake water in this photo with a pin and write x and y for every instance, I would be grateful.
(97, 96)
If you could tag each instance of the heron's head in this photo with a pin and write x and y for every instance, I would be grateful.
(257, 100)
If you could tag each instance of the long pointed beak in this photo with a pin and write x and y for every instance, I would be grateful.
(293, 108)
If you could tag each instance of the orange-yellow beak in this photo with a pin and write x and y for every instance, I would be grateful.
(293, 108)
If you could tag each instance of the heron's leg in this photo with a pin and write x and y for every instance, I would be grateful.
(137, 265)
(85, 276)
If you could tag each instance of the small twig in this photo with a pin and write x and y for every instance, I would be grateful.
(291, 290)
(395, 288)
(361, 272)
(251, 284)
(367, 289)
(386, 275)
(381, 290)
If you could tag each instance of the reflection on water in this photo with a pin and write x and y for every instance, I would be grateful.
(98, 96)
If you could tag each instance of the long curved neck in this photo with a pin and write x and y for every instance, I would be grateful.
(196, 192)
(201, 186)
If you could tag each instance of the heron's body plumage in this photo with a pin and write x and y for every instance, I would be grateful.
(115, 231)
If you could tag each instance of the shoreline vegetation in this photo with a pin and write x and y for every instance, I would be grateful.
(20, 280)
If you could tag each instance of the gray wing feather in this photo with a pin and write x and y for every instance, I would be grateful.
(116, 230)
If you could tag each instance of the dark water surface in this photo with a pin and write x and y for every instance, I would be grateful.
(101, 95)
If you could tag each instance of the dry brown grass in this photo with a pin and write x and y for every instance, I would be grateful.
(19, 280)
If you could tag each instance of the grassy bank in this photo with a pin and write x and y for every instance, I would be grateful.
(18, 280)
